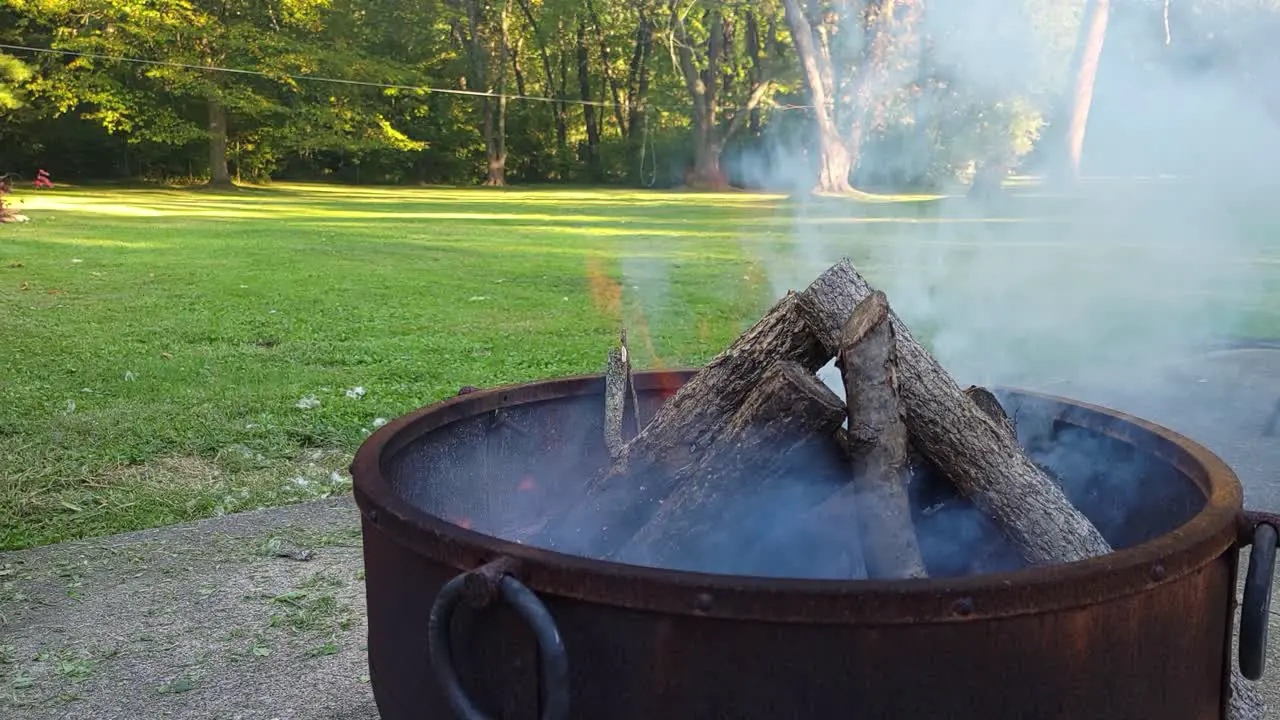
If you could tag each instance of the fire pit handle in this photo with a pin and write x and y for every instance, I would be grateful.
(479, 587)
(1255, 608)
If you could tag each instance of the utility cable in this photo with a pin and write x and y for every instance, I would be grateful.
(340, 81)
(310, 78)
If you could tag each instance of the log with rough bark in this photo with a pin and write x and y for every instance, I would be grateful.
(632, 396)
(779, 426)
(615, 401)
(989, 404)
(868, 365)
(985, 462)
(619, 500)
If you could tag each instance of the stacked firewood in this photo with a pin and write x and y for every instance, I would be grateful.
(757, 409)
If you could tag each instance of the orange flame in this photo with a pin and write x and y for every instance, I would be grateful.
(464, 523)
(606, 293)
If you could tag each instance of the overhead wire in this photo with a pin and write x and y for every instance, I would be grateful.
(647, 144)
(292, 76)
(326, 79)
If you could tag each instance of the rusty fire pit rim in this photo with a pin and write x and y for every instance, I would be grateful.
(1186, 549)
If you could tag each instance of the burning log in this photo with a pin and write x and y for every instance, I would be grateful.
(984, 461)
(777, 427)
(633, 396)
(878, 439)
(617, 372)
(622, 498)
(619, 394)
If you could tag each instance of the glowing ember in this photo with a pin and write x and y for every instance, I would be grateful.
(527, 484)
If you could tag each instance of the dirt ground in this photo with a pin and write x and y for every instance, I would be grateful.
(256, 615)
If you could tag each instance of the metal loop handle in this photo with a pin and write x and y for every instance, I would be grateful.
(554, 670)
(1255, 609)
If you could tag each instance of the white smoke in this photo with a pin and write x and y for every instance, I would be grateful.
(1153, 255)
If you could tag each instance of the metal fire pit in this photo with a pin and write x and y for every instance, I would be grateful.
(465, 624)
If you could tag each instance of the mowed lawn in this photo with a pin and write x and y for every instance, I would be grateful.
(170, 355)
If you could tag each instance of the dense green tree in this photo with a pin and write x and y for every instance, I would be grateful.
(13, 75)
(493, 91)
(176, 101)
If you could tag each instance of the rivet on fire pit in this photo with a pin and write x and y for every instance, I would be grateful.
(963, 607)
(372, 515)
(703, 602)
(1157, 571)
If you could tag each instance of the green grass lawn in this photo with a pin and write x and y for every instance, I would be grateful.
(163, 349)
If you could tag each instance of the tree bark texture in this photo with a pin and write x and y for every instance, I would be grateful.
(834, 161)
(219, 172)
(615, 401)
(1084, 77)
(848, 107)
(589, 114)
(622, 498)
(781, 424)
(868, 364)
(947, 427)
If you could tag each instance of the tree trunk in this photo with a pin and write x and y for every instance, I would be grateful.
(1084, 75)
(835, 164)
(1168, 34)
(615, 90)
(556, 91)
(706, 173)
(638, 93)
(834, 160)
(755, 52)
(219, 172)
(516, 70)
(588, 109)
(496, 111)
